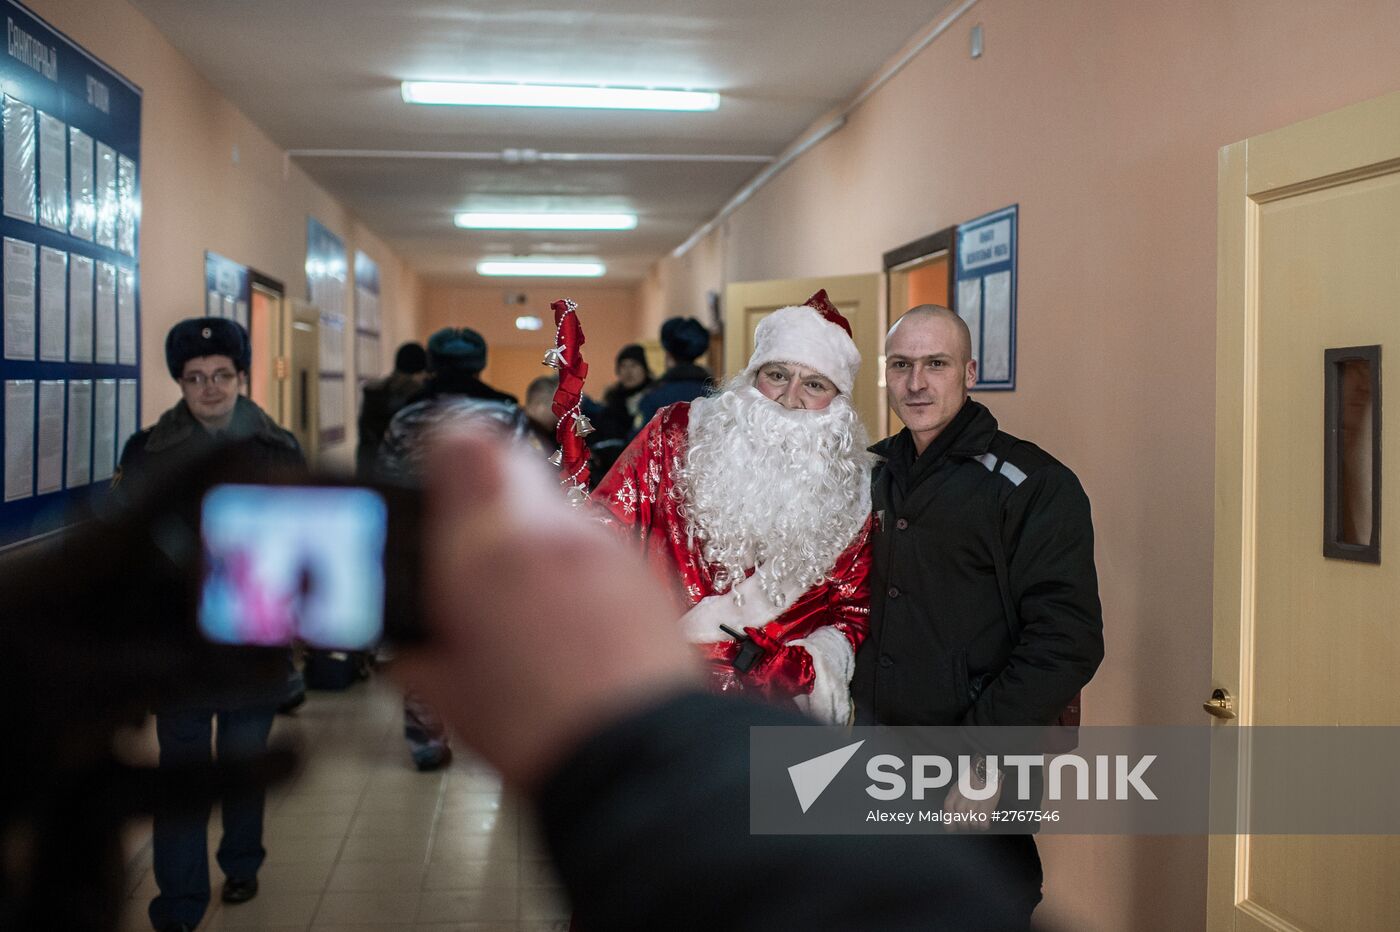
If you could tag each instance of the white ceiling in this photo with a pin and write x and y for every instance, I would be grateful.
(324, 74)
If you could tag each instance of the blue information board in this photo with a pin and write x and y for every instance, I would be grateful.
(327, 275)
(984, 294)
(70, 213)
(227, 288)
(367, 322)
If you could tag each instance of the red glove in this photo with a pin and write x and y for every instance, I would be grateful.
(784, 671)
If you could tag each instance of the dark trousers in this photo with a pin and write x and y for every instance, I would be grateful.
(1022, 859)
(180, 840)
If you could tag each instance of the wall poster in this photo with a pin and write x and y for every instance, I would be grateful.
(367, 325)
(984, 294)
(228, 288)
(327, 275)
(70, 301)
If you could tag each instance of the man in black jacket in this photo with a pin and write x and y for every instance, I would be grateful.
(209, 359)
(985, 606)
(382, 398)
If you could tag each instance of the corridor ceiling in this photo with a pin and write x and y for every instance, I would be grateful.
(325, 75)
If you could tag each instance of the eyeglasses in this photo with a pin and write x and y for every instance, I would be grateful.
(221, 379)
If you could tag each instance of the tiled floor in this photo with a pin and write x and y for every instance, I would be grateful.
(361, 841)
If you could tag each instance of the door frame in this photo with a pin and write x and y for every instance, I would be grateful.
(303, 371)
(280, 408)
(1287, 162)
(925, 248)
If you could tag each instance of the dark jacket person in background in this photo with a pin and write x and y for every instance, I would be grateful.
(453, 394)
(618, 417)
(456, 356)
(685, 339)
(209, 359)
(382, 399)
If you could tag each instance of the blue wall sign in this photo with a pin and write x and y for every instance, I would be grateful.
(70, 197)
(984, 274)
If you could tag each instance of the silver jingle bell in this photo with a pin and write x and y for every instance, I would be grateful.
(582, 425)
(577, 495)
(554, 358)
(558, 458)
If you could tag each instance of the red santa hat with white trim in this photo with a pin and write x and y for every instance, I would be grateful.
(814, 335)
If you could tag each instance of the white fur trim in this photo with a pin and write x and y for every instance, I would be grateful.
(800, 335)
(754, 609)
(833, 662)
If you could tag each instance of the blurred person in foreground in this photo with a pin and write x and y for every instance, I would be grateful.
(381, 400)
(209, 359)
(639, 777)
(754, 507)
(453, 393)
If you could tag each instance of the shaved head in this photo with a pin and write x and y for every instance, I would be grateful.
(928, 370)
(924, 311)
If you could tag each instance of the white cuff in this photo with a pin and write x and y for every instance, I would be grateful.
(833, 662)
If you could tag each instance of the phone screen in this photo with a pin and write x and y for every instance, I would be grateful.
(284, 562)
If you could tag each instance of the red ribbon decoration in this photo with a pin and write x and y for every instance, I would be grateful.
(572, 371)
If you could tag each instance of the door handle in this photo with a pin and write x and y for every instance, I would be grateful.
(1221, 704)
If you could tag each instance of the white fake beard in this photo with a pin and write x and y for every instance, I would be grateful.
(762, 484)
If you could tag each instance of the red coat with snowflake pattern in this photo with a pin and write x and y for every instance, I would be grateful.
(639, 494)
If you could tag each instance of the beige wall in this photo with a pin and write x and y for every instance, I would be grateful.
(196, 197)
(1101, 119)
(608, 314)
(680, 289)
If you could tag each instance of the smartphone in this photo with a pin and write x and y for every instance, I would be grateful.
(332, 565)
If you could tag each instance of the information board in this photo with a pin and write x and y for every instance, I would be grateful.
(326, 280)
(367, 325)
(227, 288)
(70, 217)
(984, 296)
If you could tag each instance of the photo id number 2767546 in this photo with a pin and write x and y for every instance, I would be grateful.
(1026, 815)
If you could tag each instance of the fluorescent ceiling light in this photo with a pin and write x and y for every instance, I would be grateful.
(476, 220)
(552, 268)
(555, 95)
(528, 323)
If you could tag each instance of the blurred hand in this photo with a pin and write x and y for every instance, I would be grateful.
(544, 627)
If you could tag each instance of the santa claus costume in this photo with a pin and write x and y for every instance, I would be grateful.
(761, 516)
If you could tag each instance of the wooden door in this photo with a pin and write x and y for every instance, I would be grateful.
(304, 369)
(267, 332)
(856, 296)
(1309, 260)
